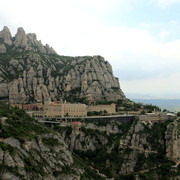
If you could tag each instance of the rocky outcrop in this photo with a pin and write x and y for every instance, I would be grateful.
(53, 158)
(31, 76)
(2, 48)
(29, 150)
(22, 42)
(172, 137)
(111, 149)
(29, 42)
(140, 148)
(6, 36)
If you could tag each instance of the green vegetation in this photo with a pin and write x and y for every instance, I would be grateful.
(5, 59)
(50, 141)
(107, 158)
(32, 168)
(13, 170)
(155, 134)
(178, 114)
(98, 157)
(97, 113)
(18, 124)
(149, 166)
(6, 147)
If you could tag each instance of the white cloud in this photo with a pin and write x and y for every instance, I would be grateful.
(156, 86)
(163, 34)
(165, 3)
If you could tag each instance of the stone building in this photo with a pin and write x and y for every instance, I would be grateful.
(53, 109)
(111, 109)
(60, 109)
(75, 109)
(152, 117)
(29, 107)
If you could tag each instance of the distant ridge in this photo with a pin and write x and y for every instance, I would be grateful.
(168, 104)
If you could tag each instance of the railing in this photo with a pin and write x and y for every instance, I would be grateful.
(57, 120)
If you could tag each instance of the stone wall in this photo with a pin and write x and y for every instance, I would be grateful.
(154, 117)
(75, 109)
(109, 108)
(60, 109)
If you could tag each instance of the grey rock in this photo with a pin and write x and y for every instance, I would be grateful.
(12, 142)
(8, 176)
(2, 48)
(6, 36)
(1, 156)
(14, 62)
(8, 160)
(4, 90)
(35, 76)
(49, 49)
(20, 38)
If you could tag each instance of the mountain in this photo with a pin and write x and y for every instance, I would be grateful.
(31, 72)
(99, 150)
(133, 150)
(29, 150)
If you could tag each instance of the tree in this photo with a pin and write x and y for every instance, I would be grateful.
(178, 114)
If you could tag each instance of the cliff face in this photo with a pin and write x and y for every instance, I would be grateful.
(100, 150)
(31, 72)
(29, 150)
(173, 141)
(120, 150)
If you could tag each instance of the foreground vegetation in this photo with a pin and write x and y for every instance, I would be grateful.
(20, 127)
(107, 158)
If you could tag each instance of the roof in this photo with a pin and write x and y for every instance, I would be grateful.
(76, 122)
(170, 114)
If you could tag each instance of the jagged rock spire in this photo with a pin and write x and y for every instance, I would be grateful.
(20, 38)
(23, 41)
(5, 34)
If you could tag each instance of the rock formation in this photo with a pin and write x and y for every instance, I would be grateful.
(112, 149)
(31, 72)
(173, 141)
(6, 36)
(36, 152)
(149, 149)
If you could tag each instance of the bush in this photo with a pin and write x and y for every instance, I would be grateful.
(50, 141)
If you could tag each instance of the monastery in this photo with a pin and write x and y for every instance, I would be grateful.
(61, 109)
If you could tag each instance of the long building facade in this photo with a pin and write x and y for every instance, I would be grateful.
(61, 109)
(111, 109)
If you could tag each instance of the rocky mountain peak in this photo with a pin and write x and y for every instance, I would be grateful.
(22, 42)
(6, 36)
(20, 38)
(33, 74)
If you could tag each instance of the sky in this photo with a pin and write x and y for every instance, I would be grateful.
(140, 38)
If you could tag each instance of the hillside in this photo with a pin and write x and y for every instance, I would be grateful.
(29, 150)
(100, 150)
(31, 72)
(131, 150)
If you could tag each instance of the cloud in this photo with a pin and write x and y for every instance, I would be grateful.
(150, 86)
(163, 34)
(75, 28)
(165, 3)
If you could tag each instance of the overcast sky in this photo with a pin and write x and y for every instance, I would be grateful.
(140, 38)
